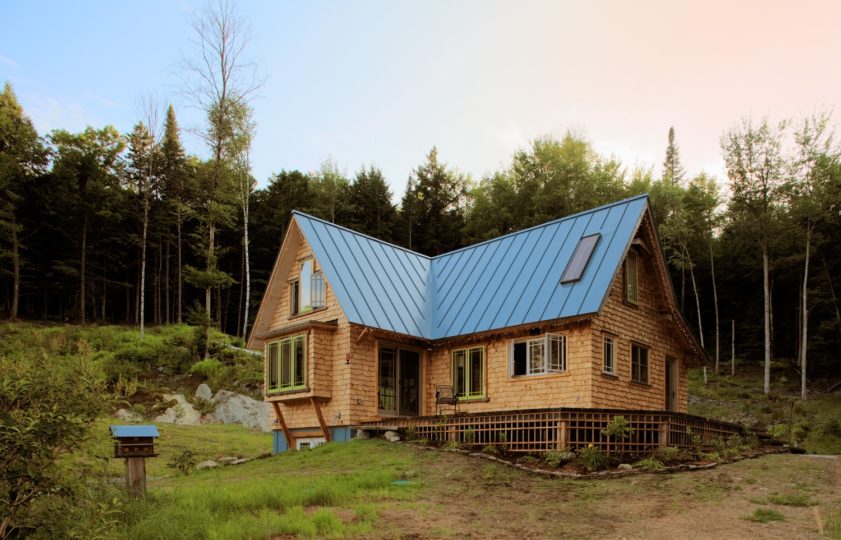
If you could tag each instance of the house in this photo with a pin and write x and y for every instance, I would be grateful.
(575, 313)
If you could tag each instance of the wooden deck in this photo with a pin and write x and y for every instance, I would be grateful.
(544, 430)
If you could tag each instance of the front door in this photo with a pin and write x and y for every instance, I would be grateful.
(399, 382)
(671, 384)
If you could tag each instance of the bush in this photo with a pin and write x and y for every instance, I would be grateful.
(559, 457)
(831, 428)
(185, 462)
(650, 464)
(206, 368)
(592, 458)
(491, 450)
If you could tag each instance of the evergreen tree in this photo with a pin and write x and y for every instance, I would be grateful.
(370, 208)
(672, 168)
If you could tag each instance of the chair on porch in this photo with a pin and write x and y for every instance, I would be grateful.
(444, 397)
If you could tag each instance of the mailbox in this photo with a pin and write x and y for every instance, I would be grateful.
(134, 441)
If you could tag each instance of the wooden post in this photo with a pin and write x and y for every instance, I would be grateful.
(563, 437)
(324, 430)
(136, 475)
(290, 439)
(733, 347)
(663, 439)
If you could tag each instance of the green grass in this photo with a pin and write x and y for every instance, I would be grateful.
(325, 492)
(834, 525)
(765, 515)
(791, 499)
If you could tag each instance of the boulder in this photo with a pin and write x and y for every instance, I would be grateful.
(240, 461)
(233, 408)
(391, 436)
(204, 392)
(182, 413)
(227, 460)
(625, 467)
(209, 464)
(128, 416)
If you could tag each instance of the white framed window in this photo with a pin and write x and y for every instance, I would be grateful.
(545, 354)
(632, 277)
(307, 292)
(307, 443)
(609, 355)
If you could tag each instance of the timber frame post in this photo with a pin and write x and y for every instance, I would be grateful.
(324, 430)
(290, 439)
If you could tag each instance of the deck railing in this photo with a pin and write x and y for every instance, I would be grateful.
(544, 430)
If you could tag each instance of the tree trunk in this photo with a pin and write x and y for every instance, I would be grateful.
(247, 278)
(804, 339)
(13, 312)
(733, 348)
(142, 313)
(697, 304)
(767, 317)
(166, 282)
(83, 269)
(715, 303)
(159, 282)
(180, 287)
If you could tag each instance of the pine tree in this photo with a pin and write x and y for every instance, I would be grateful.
(672, 168)
(370, 208)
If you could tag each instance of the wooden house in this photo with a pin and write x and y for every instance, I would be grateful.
(575, 314)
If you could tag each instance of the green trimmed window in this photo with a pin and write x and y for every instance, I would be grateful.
(287, 360)
(469, 373)
(639, 363)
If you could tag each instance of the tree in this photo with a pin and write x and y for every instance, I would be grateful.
(330, 188)
(672, 169)
(433, 207)
(220, 83)
(810, 171)
(755, 165)
(370, 209)
(89, 164)
(22, 157)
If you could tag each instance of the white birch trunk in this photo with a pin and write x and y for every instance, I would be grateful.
(804, 339)
(767, 317)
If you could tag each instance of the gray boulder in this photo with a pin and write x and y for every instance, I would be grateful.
(209, 464)
(625, 467)
(233, 408)
(128, 416)
(227, 460)
(204, 392)
(182, 413)
(391, 436)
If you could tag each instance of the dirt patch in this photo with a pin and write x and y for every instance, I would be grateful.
(470, 498)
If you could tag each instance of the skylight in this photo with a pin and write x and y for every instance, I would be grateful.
(580, 258)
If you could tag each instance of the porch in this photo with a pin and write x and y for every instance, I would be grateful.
(544, 430)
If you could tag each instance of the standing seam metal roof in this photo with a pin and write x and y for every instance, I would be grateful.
(511, 280)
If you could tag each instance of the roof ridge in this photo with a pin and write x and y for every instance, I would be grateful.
(369, 237)
(546, 223)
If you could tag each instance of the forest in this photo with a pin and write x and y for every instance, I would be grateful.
(108, 227)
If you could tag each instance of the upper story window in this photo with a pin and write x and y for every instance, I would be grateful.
(546, 354)
(609, 355)
(632, 277)
(287, 359)
(307, 292)
(469, 372)
(639, 363)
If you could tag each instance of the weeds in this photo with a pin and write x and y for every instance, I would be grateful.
(765, 515)
(592, 458)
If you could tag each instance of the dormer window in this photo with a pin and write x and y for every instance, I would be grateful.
(307, 292)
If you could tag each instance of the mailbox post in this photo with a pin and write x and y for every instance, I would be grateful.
(135, 444)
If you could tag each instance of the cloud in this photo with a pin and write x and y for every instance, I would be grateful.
(6, 61)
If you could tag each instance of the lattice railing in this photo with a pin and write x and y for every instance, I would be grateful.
(544, 430)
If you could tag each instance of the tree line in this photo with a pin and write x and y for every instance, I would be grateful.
(101, 226)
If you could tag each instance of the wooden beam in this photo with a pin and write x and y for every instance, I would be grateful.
(290, 439)
(321, 421)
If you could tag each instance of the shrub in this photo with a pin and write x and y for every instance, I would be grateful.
(529, 461)
(185, 462)
(469, 436)
(650, 464)
(559, 457)
(831, 428)
(207, 368)
(491, 450)
(592, 458)
(618, 428)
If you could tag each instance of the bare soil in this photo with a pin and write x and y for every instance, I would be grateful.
(466, 497)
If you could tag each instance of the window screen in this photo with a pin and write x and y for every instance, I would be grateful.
(580, 258)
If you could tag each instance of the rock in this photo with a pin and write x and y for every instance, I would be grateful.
(391, 436)
(227, 460)
(240, 461)
(204, 392)
(128, 416)
(625, 467)
(362, 434)
(182, 413)
(233, 408)
(209, 464)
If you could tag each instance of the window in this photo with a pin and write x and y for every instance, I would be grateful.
(609, 355)
(639, 363)
(287, 364)
(546, 354)
(580, 258)
(631, 277)
(469, 372)
(308, 443)
(307, 292)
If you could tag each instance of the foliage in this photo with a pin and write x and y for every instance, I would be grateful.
(185, 462)
(650, 464)
(618, 428)
(765, 515)
(791, 499)
(47, 405)
(556, 458)
(592, 458)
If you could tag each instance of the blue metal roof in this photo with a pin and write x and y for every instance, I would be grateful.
(134, 431)
(508, 281)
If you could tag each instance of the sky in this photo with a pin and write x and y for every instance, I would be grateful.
(381, 82)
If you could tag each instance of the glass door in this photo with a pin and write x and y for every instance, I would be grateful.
(387, 390)
(409, 376)
(399, 386)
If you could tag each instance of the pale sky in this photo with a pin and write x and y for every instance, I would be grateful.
(383, 81)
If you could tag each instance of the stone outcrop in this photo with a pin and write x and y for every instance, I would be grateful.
(229, 408)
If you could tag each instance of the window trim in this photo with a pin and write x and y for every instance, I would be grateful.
(278, 343)
(467, 395)
(647, 349)
(547, 370)
(632, 286)
(612, 339)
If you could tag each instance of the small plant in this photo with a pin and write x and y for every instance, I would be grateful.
(778, 431)
(502, 438)
(452, 445)
(203, 406)
(207, 368)
(650, 464)
(411, 432)
(559, 457)
(184, 462)
(592, 458)
(490, 449)
(831, 428)
(529, 461)
(765, 515)
(670, 454)
(469, 436)
(618, 428)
